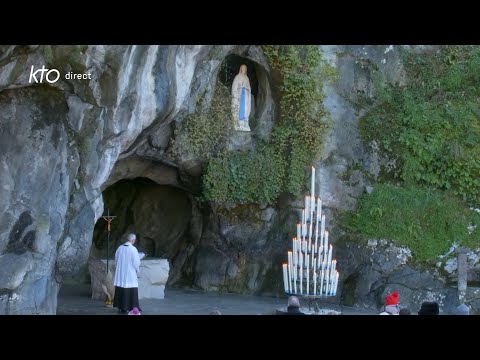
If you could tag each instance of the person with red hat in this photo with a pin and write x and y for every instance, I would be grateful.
(391, 305)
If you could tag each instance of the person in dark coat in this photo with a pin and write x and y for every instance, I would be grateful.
(429, 308)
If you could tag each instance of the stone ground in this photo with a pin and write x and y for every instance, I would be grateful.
(75, 300)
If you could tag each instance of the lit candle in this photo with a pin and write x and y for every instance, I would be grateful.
(290, 259)
(285, 275)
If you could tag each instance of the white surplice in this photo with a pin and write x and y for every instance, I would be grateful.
(127, 266)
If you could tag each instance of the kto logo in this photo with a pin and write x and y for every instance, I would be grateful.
(51, 78)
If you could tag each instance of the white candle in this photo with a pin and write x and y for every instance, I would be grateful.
(295, 280)
(334, 287)
(314, 282)
(303, 219)
(308, 282)
(298, 231)
(312, 198)
(307, 212)
(310, 237)
(312, 207)
(290, 279)
(322, 230)
(329, 255)
(316, 235)
(306, 260)
(322, 273)
(313, 182)
(300, 260)
(285, 276)
(301, 279)
(336, 282)
(330, 283)
(326, 239)
(319, 209)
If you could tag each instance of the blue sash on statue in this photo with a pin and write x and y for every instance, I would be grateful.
(242, 104)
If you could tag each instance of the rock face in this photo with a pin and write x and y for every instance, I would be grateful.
(63, 143)
(372, 270)
(60, 142)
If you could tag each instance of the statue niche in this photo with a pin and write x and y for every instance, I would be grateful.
(241, 99)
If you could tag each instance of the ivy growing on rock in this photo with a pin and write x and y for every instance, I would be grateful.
(280, 165)
(432, 125)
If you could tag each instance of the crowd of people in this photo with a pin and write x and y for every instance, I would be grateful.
(392, 307)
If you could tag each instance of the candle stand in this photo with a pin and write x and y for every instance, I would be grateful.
(310, 272)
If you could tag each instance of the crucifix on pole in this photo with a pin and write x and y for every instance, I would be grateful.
(109, 218)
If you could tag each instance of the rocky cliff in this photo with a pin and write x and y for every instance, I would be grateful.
(63, 143)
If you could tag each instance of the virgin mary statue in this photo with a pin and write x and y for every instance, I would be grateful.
(241, 99)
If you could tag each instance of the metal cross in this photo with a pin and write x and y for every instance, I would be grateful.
(109, 218)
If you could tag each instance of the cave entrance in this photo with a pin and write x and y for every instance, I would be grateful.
(159, 215)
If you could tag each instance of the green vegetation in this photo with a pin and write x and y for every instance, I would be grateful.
(207, 130)
(426, 221)
(282, 163)
(431, 128)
